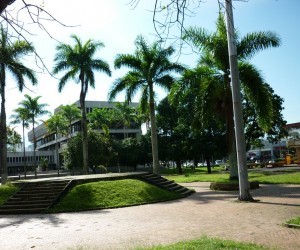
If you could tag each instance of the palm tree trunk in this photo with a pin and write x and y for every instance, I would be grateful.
(231, 145)
(84, 134)
(154, 143)
(34, 149)
(56, 152)
(230, 132)
(3, 131)
(24, 148)
(244, 193)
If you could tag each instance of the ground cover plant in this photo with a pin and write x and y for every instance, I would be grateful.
(294, 221)
(219, 175)
(111, 194)
(6, 191)
(207, 243)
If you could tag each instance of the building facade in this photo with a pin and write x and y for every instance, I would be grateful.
(45, 141)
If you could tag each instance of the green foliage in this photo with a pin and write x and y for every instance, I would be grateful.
(207, 243)
(11, 63)
(133, 151)
(57, 124)
(33, 107)
(101, 119)
(294, 221)
(102, 151)
(7, 191)
(14, 139)
(150, 65)
(110, 194)
(179, 140)
(208, 87)
(71, 113)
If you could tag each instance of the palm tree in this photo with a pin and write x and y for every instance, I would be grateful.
(71, 113)
(80, 64)
(101, 118)
(10, 61)
(57, 124)
(126, 115)
(149, 65)
(21, 117)
(35, 110)
(213, 74)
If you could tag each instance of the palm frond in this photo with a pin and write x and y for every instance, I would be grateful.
(255, 42)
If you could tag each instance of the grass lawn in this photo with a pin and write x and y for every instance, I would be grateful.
(219, 175)
(207, 243)
(6, 191)
(111, 194)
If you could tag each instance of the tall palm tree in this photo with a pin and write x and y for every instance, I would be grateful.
(35, 110)
(80, 64)
(10, 62)
(149, 66)
(213, 74)
(21, 117)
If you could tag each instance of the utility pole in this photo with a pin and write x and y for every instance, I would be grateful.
(244, 193)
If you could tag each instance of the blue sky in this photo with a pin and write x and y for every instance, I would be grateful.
(117, 24)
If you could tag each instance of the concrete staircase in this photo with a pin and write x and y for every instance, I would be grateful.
(34, 197)
(166, 184)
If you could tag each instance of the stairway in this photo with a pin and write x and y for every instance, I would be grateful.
(34, 197)
(166, 184)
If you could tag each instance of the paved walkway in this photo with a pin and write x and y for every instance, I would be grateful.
(206, 212)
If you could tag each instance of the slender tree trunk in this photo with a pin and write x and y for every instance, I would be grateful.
(231, 143)
(208, 165)
(156, 168)
(24, 149)
(3, 131)
(57, 155)
(230, 135)
(34, 149)
(244, 187)
(84, 127)
(178, 166)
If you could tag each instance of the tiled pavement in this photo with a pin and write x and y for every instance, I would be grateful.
(206, 212)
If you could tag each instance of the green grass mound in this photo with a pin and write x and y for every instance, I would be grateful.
(205, 243)
(6, 191)
(112, 194)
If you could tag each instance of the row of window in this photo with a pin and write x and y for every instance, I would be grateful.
(20, 159)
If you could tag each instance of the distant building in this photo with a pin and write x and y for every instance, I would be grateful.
(46, 141)
(294, 138)
(273, 151)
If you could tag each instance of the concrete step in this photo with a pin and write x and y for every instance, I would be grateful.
(21, 211)
(166, 184)
(34, 197)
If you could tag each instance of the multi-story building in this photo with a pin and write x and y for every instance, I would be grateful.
(46, 141)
